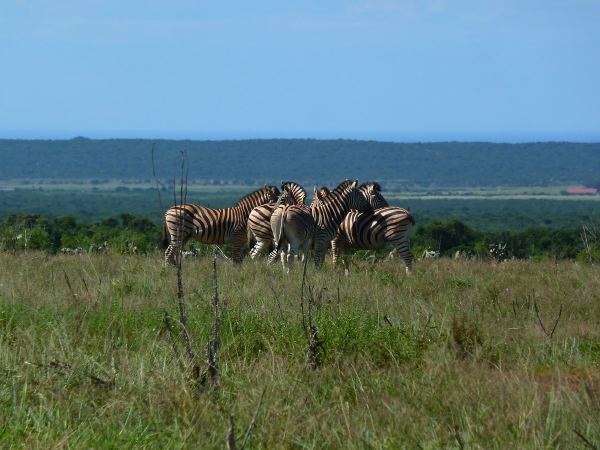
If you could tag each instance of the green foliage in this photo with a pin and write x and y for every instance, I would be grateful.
(126, 232)
(34, 232)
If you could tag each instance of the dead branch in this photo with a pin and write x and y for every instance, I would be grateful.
(178, 260)
(537, 313)
(388, 321)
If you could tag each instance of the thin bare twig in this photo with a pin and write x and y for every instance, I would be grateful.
(73, 294)
(251, 424)
(458, 438)
(388, 321)
(302, 298)
(231, 445)
(169, 328)
(213, 348)
(64, 367)
(156, 180)
(585, 440)
(178, 259)
(537, 313)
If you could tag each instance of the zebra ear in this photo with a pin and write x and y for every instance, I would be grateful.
(354, 184)
(315, 190)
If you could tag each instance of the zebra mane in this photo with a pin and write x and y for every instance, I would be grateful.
(372, 184)
(258, 193)
(296, 190)
(343, 186)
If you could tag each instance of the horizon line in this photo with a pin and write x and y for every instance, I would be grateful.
(431, 137)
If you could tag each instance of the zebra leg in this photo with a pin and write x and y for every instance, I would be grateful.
(272, 257)
(334, 250)
(258, 249)
(173, 254)
(292, 254)
(237, 250)
(320, 250)
(283, 255)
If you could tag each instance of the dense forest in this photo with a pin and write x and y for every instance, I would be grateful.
(253, 162)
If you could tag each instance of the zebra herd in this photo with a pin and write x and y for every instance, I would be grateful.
(348, 216)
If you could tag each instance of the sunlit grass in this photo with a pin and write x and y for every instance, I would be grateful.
(451, 356)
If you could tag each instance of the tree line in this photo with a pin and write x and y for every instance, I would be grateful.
(126, 233)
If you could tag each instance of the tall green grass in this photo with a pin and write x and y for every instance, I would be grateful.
(453, 356)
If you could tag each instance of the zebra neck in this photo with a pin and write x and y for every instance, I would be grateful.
(332, 213)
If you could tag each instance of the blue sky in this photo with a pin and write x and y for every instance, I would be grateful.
(379, 69)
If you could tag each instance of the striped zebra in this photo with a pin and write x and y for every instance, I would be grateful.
(372, 231)
(212, 226)
(301, 225)
(259, 221)
(371, 190)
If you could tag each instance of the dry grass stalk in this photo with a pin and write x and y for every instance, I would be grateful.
(178, 260)
(231, 444)
(213, 348)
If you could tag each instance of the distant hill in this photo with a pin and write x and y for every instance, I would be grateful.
(310, 161)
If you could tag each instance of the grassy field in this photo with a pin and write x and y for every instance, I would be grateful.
(452, 357)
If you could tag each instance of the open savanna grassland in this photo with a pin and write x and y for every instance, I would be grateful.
(453, 356)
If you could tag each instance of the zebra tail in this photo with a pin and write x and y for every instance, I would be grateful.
(165, 240)
(277, 239)
(411, 218)
(249, 236)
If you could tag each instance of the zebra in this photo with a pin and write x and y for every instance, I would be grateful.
(212, 226)
(371, 190)
(301, 225)
(259, 220)
(371, 231)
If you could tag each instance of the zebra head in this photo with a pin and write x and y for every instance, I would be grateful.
(356, 199)
(296, 193)
(320, 195)
(286, 197)
(371, 190)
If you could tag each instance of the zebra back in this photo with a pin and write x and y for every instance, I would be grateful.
(261, 196)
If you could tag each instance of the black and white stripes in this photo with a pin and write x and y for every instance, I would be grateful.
(213, 226)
